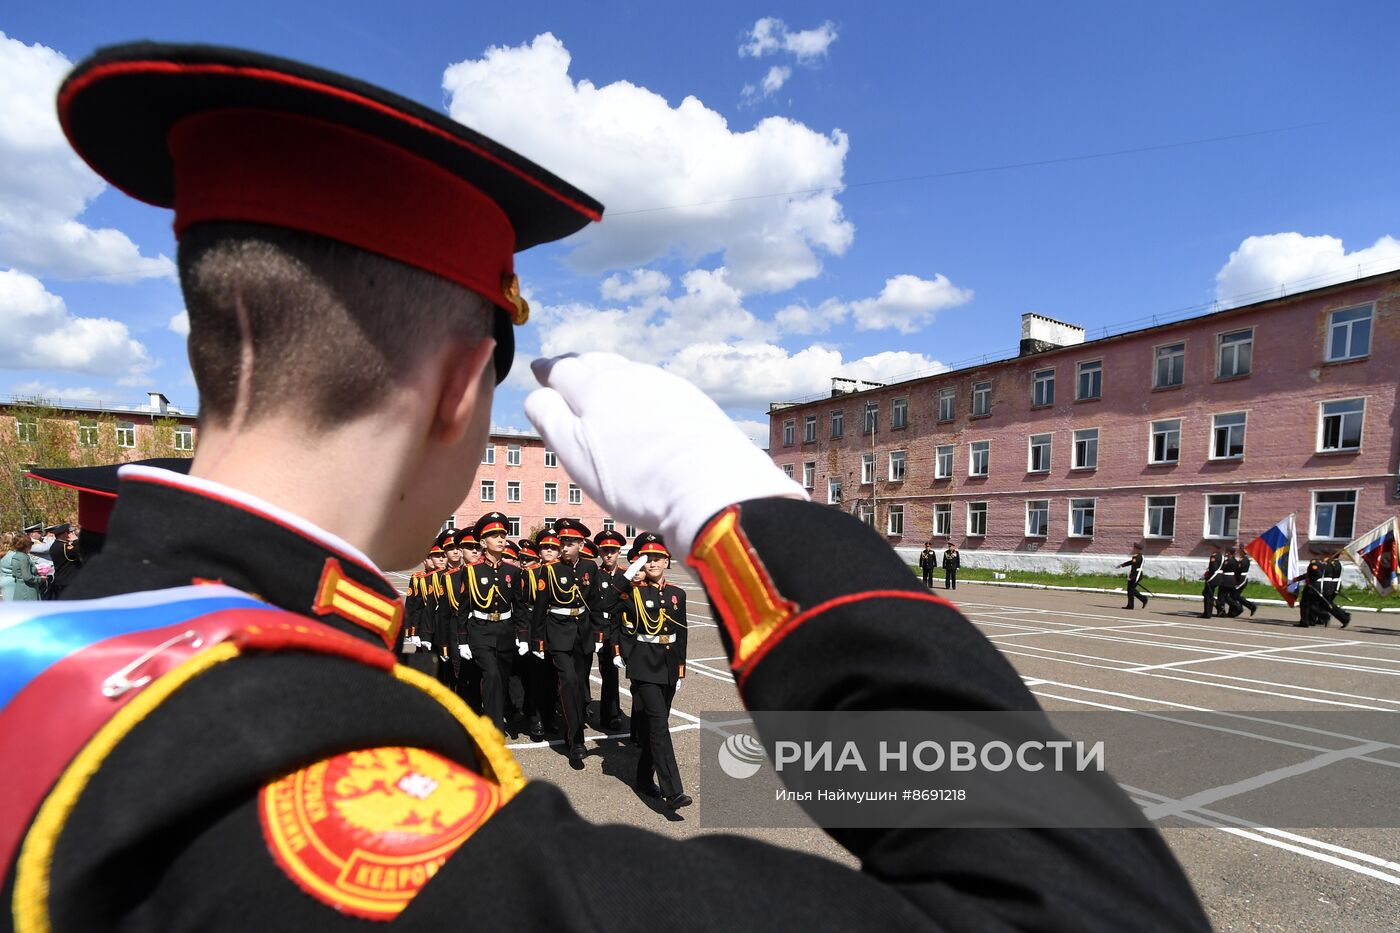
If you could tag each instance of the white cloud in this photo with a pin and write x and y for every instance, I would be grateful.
(757, 431)
(627, 146)
(180, 324)
(45, 187)
(770, 35)
(51, 392)
(1266, 266)
(908, 303)
(772, 82)
(37, 332)
(639, 283)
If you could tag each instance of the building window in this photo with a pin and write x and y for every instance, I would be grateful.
(488, 490)
(551, 492)
(87, 433)
(1223, 515)
(183, 439)
(1236, 351)
(1090, 382)
(979, 457)
(512, 455)
(1334, 515)
(867, 515)
(867, 468)
(27, 430)
(1161, 517)
(575, 495)
(946, 400)
(809, 429)
(1166, 442)
(25, 480)
(872, 417)
(899, 413)
(789, 433)
(609, 524)
(551, 459)
(126, 434)
(977, 519)
(894, 523)
(1340, 425)
(809, 474)
(838, 423)
(787, 469)
(514, 523)
(548, 523)
(450, 524)
(489, 454)
(1349, 334)
(1170, 369)
(1227, 436)
(942, 520)
(943, 463)
(896, 466)
(1081, 518)
(1086, 449)
(1043, 388)
(833, 492)
(1037, 518)
(981, 398)
(630, 531)
(513, 491)
(1040, 453)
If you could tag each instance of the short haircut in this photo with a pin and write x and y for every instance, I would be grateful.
(331, 326)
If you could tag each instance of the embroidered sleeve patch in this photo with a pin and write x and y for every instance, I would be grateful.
(364, 831)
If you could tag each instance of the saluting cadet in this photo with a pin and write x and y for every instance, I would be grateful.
(1134, 565)
(278, 770)
(561, 626)
(652, 651)
(1239, 601)
(952, 560)
(487, 632)
(609, 586)
(1212, 578)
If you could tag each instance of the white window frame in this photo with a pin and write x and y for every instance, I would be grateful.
(866, 513)
(809, 429)
(789, 432)
(895, 511)
(788, 469)
(512, 455)
(609, 524)
(867, 469)
(1148, 507)
(1229, 431)
(1043, 379)
(1079, 370)
(1313, 525)
(1152, 435)
(1322, 417)
(833, 491)
(1220, 352)
(944, 511)
(944, 461)
(1333, 326)
(549, 522)
(514, 522)
(1078, 462)
(1157, 357)
(126, 430)
(575, 494)
(87, 432)
(26, 430)
(838, 423)
(487, 490)
(986, 451)
(183, 437)
(450, 524)
(1044, 511)
(899, 413)
(1075, 505)
(897, 466)
(513, 490)
(551, 493)
(985, 523)
(809, 474)
(983, 391)
(551, 459)
(488, 456)
(1239, 515)
(950, 396)
(1031, 445)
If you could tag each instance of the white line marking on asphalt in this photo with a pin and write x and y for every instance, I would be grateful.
(1231, 657)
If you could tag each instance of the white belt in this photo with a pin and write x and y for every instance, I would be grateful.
(565, 612)
(656, 639)
(491, 616)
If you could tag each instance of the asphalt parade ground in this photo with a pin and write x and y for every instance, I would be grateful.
(1083, 651)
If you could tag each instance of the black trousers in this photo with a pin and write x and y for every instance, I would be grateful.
(1211, 595)
(1134, 594)
(491, 672)
(609, 702)
(950, 578)
(928, 576)
(571, 668)
(1235, 600)
(651, 710)
(537, 689)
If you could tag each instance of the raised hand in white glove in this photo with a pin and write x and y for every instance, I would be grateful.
(465, 651)
(538, 654)
(635, 568)
(521, 647)
(618, 662)
(695, 461)
(425, 645)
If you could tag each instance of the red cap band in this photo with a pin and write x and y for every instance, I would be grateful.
(95, 510)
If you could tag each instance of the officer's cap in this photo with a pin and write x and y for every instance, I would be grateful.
(62, 529)
(224, 134)
(526, 549)
(491, 523)
(571, 528)
(609, 539)
(466, 538)
(648, 544)
(97, 486)
(547, 538)
(447, 540)
(31, 529)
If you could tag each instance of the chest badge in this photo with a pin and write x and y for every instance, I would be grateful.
(484, 580)
(604, 584)
(650, 604)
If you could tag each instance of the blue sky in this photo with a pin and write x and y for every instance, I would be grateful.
(707, 110)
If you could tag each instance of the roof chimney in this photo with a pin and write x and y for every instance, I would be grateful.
(1040, 333)
(159, 403)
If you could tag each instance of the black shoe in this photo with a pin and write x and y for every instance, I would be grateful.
(536, 729)
(576, 757)
(615, 724)
(1144, 602)
(676, 801)
(649, 789)
(1300, 625)
(1130, 606)
(1251, 611)
(1346, 621)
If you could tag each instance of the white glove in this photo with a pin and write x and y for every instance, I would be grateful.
(679, 682)
(465, 651)
(538, 654)
(618, 662)
(695, 462)
(425, 645)
(635, 567)
(521, 647)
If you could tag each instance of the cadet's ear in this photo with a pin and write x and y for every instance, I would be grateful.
(467, 381)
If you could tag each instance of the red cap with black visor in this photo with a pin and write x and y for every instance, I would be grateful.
(225, 134)
(97, 493)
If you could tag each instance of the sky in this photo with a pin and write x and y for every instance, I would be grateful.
(793, 191)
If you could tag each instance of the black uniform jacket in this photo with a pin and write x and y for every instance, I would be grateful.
(1134, 565)
(1242, 565)
(605, 595)
(1213, 567)
(166, 835)
(654, 633)
(67, 561)
(560, 619)
(486, 590)
(952, 560)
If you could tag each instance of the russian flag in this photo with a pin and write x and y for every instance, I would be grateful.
(1276, 553)
(1377, 555)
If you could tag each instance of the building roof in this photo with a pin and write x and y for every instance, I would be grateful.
(95, 406)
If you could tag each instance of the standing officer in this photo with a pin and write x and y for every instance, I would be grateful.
(1134, 565)
(952, 560)
(67, 559)
(928, 563)
(561, 627)
(609, 585)
(1238, 600)
(652, 651)
(1212, 577)
(487, 632)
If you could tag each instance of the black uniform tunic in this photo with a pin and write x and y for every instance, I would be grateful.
(487, 596)
(1209, 592)
(653, 645)
(563, 629)
(604, 596)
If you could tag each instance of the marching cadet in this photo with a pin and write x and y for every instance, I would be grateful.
(928, 563)
(1134, 565)
(561, 625)
(448, 606)
(1212, 578)
(952, 560)
(486, 632)
(529, 557)
(574, 543)
(533, 674)
(609, 585)
(652, 651)
(1239, 602)
(67, 559)
(588, 551)
(278, 769)
(1225, 604)
(1324, 576)
(509, 553)
(413, 609)
(468, 675)
(1310, 596)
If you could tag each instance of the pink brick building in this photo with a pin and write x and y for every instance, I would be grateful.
(1202, 431)
(519, 476)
